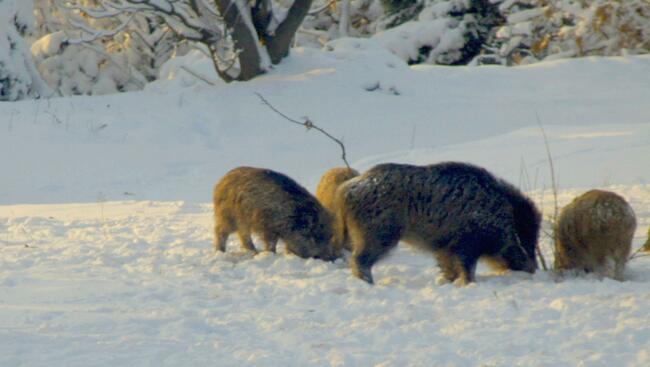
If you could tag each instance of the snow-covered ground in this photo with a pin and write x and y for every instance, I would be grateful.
(105, 222)
(137, 284)
(173, 141)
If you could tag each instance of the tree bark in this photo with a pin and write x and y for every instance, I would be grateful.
(344, 20)
(245, 42)
(279, 43)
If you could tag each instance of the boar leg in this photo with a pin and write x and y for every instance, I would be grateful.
(220, 239)
(270, 242)
(466, 265)
(246, 241)
(361, 263)
(448, 265)
(467, 269)
(370, 247)
(223, 227)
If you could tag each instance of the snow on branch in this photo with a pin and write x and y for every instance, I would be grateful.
(238, 33)
(94, 34)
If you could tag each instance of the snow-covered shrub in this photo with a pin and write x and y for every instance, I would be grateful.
(332, 20)
(18, 76)
(80, 68)
(78, 54)
(549, 29)
(244, 38)
(49, 18)
(394, 6)
(449, 32)
(606, 28)
(397, 14)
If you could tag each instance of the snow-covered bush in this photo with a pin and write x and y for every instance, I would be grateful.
(449, 32)
(18, 76)
(84, 68)
(49, 17)
(395, 6)
(548, 29)
(332, 20)
(446, 32)
(606, 28)
(79, 54)
(244, 38)
(398, 13)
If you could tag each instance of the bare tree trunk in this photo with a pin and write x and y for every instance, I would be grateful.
(262, 13)
(245, 42)
(278, 44)
(344, 20)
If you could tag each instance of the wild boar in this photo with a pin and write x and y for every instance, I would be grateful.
(594, 234)
(459, 211)
(255, 200)
(326, 191)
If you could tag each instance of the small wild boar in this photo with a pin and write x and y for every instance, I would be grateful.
(254, 200)
(459, 211)
(326, 191)
(594, 234)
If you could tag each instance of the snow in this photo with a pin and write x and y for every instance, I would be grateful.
(106, 227)
(136, 283)
(174, 140)
(442, 35)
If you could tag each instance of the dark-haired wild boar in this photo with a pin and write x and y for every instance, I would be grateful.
(459, 211)
(326, 191)
(594, 234)
(254, 200)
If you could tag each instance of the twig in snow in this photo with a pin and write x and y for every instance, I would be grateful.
(308, 124)
(551, 167)
(198, 76)
(637, 254)
(54, 117)
(553, 182)
(524, 184)
(10, 126)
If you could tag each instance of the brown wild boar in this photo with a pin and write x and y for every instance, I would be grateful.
(594, 234)
(326, 190)
(459, 211)
(254, 200)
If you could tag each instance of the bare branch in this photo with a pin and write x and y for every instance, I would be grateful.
(322, 8)
(553, 180)
(198, 76)
(637, 254)
(551, 166)
(94, 34)
(524, 184)
(308, 124)
(542, 259)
